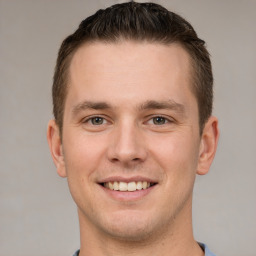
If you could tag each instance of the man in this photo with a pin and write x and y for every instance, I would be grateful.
(132, 101)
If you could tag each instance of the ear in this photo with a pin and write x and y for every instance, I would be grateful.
(208, 145)
(55, 144)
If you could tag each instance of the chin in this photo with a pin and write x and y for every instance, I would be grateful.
(130, 233)
(130, 227)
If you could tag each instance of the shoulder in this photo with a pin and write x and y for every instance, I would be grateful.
(76, 253)
(204, 246)
(207, 252)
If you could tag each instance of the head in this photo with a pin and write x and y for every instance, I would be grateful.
(132, 98)
(139, 22)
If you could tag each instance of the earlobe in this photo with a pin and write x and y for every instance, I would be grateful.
(55, 145)
(208, 145)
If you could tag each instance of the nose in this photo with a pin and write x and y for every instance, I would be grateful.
(127, 145)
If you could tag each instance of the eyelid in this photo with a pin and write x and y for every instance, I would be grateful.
(167, 118)
(88, 118)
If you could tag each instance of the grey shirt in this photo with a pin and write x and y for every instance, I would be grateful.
(204, 247)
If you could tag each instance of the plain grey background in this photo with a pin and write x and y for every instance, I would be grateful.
(38, 216)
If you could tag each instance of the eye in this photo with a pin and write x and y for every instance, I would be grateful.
(159, 120)
(96, 120)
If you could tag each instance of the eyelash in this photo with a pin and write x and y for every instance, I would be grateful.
(90, 120)
(104, 120)
(165, 119)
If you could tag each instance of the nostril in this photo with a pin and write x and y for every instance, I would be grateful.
(114, 160)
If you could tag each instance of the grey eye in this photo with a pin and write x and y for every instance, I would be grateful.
(97, 120)
(159, 120)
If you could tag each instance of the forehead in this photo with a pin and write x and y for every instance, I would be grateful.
(126, 53)
(110, 70)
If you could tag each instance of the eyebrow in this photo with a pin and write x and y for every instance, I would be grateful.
(168, 104)
(148, 105)
(90, 105)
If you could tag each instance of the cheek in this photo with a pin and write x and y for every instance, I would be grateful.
(177, 158)
(177, 154)
(82, 154)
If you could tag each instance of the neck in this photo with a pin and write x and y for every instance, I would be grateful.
(174, 239)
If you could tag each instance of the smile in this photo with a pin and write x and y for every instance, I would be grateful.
(127, 186)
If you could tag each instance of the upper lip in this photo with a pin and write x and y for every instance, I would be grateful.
(127, 179)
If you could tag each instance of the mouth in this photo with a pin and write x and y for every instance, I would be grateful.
(128, 186)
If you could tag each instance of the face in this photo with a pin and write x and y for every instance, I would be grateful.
(131, 146)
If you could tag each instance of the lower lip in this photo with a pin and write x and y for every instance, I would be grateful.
(128, 195)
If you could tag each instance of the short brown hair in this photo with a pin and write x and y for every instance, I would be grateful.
(148, 22)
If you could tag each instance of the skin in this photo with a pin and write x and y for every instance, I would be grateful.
(128, 85)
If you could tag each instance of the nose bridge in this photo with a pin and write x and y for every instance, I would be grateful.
(127, 143)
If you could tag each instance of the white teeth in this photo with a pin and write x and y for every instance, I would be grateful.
(139, 185)
(111, 186)
(116, 185)
(144, 185)
(124, 186)
(131, 186)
